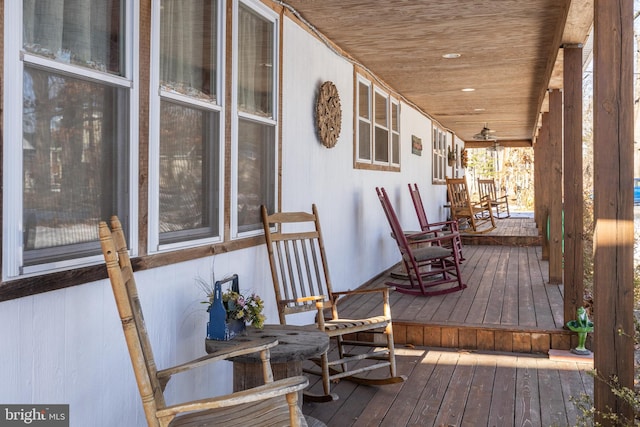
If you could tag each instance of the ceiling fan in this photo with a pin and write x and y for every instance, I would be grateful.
(486, 135)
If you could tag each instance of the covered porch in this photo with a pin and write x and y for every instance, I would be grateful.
(476, 357)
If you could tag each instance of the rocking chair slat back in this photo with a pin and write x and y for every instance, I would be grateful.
(438, 228)
(478, 214)
(301, 274)
(487, 190)
(301, 281)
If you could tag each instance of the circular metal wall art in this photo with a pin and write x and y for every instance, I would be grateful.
(328, 114)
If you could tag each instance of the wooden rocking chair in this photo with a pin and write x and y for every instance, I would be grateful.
(302, 283)
(437, 228)
(274, 404)
(433, 266)
(487, 190)
(478, 214)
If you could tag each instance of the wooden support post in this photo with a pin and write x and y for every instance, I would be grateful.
(613, 203)
(554, 181)
(537, 181)
(541, 182)
(573, 197)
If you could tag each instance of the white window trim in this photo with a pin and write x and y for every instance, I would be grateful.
(236, 115)
(360, 79)
(391, 102)
(153, 226)
(14, 60)
(439, 146)
(394, 104)
(387, 126)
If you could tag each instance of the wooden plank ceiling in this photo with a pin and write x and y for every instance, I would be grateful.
(509, 53)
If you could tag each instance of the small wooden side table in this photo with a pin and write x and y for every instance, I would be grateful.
(295, 345)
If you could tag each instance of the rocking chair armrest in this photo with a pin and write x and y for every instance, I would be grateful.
(414, 237)
(237, 350)
(440, 224)
(437, 238)
(385, 298)
(270, 390)
(307, 299)
(484, 203)
(364, 291)
(317, 298)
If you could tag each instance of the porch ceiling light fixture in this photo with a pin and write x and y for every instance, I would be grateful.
(467, 89)
(451, 55)
(485, 134)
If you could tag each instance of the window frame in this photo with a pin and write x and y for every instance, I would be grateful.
(439, 146)
(157, 95)
(237, 115)
(15, 60)
(392, 106)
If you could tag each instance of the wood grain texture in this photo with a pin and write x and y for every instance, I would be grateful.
(402, 45)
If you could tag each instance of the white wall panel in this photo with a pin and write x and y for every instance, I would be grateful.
(67, 346)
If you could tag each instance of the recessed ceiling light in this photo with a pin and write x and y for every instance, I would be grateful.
(467, 89)
(478, 109)
(451, 55)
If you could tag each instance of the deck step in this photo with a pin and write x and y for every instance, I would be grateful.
(518, 230)
(481, 337)
(484, 337)
(488, 239)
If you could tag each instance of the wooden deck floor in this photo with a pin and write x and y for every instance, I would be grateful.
(460, 388)
(478, 357)
(508, 304)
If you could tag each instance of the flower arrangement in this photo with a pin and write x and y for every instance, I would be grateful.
(244, 308)
(237, 306)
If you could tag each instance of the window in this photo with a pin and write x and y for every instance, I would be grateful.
(185, 149)
(73, 75)
(378, 129)
(439, 155)
(255, 116)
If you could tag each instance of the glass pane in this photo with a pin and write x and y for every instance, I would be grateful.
(80, 32)
(394, 116)
(188, 173)
(256, 173)
(363, 100)
(395, 148)
(381, 110)
(382, 145)
(75, 162)
(255, 63)
(188, 46)
(364, 142)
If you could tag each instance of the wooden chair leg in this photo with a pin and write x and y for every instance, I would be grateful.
(326, 383)
(392, 352)
(294, 411)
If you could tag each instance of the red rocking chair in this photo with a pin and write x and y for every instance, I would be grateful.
(437, 228)
(432, 266)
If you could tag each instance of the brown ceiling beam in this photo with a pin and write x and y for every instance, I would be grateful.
(502, 142)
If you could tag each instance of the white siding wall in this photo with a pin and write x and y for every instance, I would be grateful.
(67, 346)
